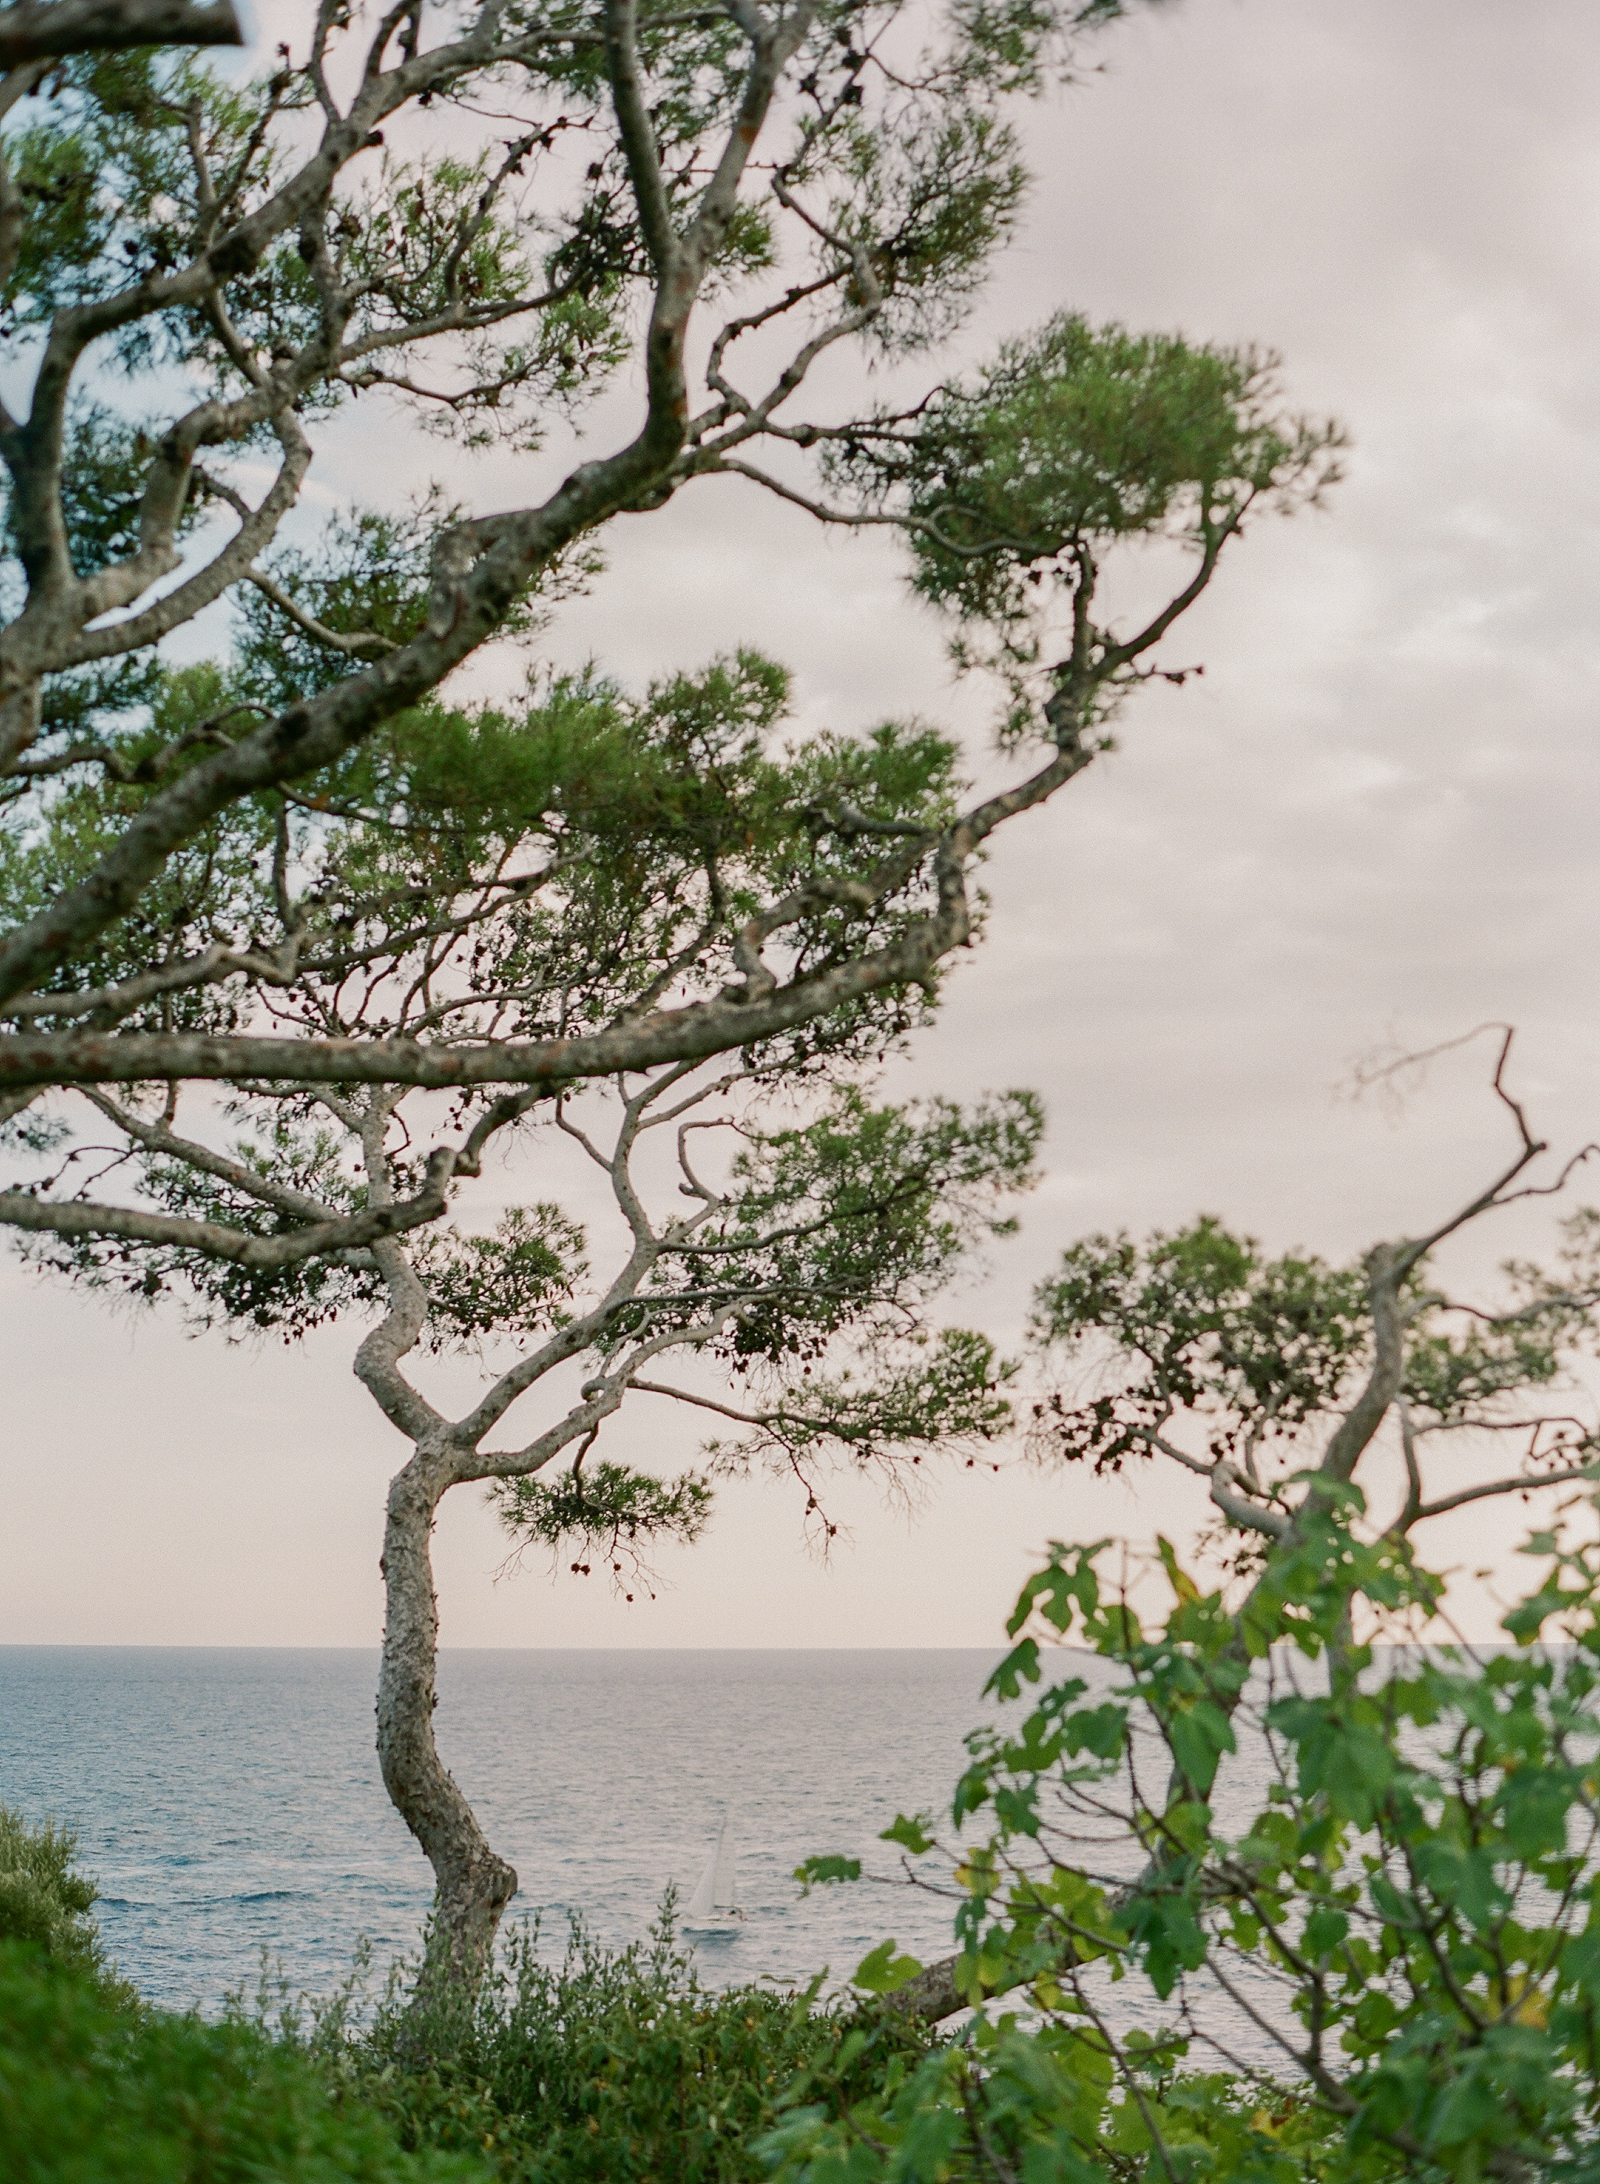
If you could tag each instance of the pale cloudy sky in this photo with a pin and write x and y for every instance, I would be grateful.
(1374, 819)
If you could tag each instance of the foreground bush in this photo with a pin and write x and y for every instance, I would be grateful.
(94, 2092)
(618, 2067)
(44, 1898)
(609, 2066)
(1407, 1920)
(97, 2089)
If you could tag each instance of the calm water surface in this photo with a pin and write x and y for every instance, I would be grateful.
(229, 1801)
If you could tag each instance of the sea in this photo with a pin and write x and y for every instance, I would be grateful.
(229, 1806)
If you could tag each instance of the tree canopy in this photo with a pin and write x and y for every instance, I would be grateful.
(198, 276)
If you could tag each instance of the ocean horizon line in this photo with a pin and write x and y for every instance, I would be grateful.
(139, 1645)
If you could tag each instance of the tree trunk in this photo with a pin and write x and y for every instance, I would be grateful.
(472, 1886)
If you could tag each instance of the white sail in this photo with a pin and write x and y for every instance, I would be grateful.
(716, 1893)
(725, 1880)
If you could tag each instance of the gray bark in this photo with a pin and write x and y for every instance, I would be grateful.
(38, 30)
(472, 1884)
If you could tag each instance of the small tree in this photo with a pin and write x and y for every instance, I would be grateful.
(1407, 1918)
(1392, 1955)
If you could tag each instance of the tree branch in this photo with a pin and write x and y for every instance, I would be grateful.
(47, 30)
(693, 1032)
(1528, 1484)
(73, 1219)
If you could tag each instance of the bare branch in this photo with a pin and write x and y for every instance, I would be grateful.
(1528, 1483)
(361, 640)
(1238, 1509)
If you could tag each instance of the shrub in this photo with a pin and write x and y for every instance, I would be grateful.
(1410, 1913)
(95, 2092)
(97, 2089)
(43, 1899)
(616, 2066)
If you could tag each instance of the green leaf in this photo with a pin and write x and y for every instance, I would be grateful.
(910, 1832)
(1324, 1930)
(881, 1971)
(1021, 1665)
(818, 1872)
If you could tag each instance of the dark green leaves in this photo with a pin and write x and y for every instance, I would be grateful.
(864, 1203)
(821, 1872)
(1195, 1322)
(517, 1281)
(44, 1899)
(1014, 486)
(604, 1513)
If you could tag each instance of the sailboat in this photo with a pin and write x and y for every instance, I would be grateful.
(715, 1902)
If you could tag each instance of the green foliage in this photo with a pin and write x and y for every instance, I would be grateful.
(606, 2066)
(94, 2085)
(113, 192)
(1046, 2105)
(660, 823)
(93, 2088)
(1198, 1340)
(1077, 438)
(926, 205)
(1411, 1909)
(1017, 44)
(862, 1205)
(608, 1511)
(531, 265)
(617, 2068)
(882, 1970)
(578, 852)
(945, 1390)
(102, 459)
(209, 267)
(585, 839)
(515, 1281)
(44, 1899)
(1200, 1323)
(215, 890)
(812, 1281)
(109, 184)
(366, 580)
(539, 870)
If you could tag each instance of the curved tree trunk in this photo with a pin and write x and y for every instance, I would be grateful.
(472, 1885)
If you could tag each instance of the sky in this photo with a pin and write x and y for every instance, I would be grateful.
(1370, 826)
